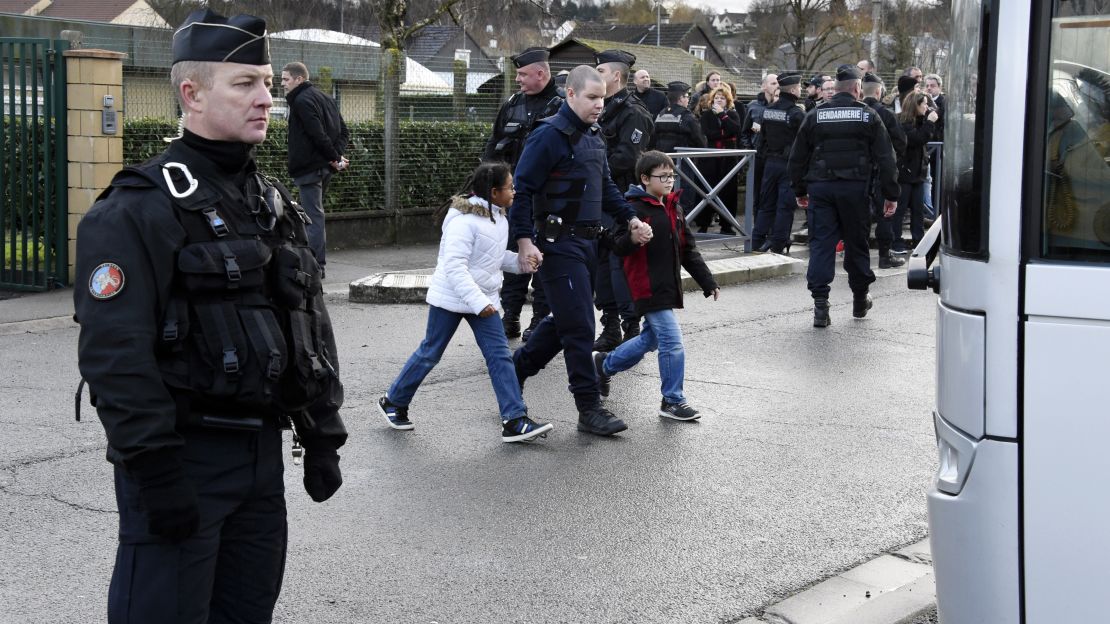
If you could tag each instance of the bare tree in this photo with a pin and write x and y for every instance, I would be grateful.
(398, 27)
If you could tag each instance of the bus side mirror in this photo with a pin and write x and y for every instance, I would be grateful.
(921, 274)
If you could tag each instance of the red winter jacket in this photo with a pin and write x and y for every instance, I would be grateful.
(654, 271)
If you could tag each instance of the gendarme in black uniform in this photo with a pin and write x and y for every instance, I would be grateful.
(626, 125)
(203, 332)
(519, 114)
(831, 163)
(514, 122)
(780, 124)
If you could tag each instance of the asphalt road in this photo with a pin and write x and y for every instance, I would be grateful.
(814, 454)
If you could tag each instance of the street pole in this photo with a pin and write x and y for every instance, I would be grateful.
(876, 17)
(658, 22)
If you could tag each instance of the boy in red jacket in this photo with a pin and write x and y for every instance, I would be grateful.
(654, 273)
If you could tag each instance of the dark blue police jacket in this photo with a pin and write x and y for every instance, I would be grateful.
(563, 171)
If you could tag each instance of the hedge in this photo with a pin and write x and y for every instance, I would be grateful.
(435, 159)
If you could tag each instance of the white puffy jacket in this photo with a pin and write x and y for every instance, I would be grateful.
(472, 256)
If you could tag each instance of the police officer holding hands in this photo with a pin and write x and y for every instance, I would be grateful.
(830, 168)
(780, 124)
(563, 187)
(538, 97)
(203, 334)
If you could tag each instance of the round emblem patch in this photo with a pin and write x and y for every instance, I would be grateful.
(106, 281)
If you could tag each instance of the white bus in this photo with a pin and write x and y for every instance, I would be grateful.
(1019, 515)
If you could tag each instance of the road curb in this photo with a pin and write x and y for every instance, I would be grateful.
(412, 286)
(894, 588)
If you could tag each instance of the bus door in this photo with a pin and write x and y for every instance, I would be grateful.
(1065, 419)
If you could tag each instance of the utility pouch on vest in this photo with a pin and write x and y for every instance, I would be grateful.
(296, 276)
(312, 373)
(226, 265)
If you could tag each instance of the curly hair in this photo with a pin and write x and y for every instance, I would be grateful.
(705, 102)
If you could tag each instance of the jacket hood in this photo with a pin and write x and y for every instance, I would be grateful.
(635, 191)
(473, 205)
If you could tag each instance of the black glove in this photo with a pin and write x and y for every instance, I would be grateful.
(321, 472)
(168, 497)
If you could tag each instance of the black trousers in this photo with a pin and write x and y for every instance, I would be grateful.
(231, 569)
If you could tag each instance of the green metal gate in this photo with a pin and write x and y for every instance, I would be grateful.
(33, 176)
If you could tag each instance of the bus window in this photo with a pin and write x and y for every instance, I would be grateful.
(1075, 211)
(965, 202)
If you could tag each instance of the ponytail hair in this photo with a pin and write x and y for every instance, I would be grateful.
(481, 182)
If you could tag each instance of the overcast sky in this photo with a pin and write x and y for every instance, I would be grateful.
(723, 6)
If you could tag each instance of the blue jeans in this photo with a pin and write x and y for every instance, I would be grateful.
(490, 335)
(312, 187)
(661, 331)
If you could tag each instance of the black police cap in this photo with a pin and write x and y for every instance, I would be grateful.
(848, 72)
(615, 56)
(869, 77)
(678, 87)
(817, 80)
(789, 78)
(207, 36)
(529, 56)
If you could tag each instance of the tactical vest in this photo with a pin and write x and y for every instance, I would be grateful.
(669, 131)
(521, 114)
(243, 329)
(574, 193)
(778, 136)
(840, 138)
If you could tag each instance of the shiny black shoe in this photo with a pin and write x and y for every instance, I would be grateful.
(821, 313)
(600, 421)
(766, 246)
(890, 262)
(511, 323)
(602, 379)
(860, 305)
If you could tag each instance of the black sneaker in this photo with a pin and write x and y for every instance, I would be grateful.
(602, 378)
(860, 306)
(523, 429)
(600, 421)
(899, 251)
(395, 415)
(678, 411)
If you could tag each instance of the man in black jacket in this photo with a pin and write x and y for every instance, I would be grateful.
(317, 140)
(204, 333)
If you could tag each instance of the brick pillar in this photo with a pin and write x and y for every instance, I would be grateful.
(93, 156)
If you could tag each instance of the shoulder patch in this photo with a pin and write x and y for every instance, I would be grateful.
(636, 136)
(106, 281)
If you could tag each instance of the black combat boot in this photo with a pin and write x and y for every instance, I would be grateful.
(860, 305)
(821, 313)
(888, 261)
(531, 327)
(511, 323)
(631, 328)
(610, 337)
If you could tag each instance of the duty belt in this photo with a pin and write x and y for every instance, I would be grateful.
(552, 232)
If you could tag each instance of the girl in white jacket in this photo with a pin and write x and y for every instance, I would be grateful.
(467, 286)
